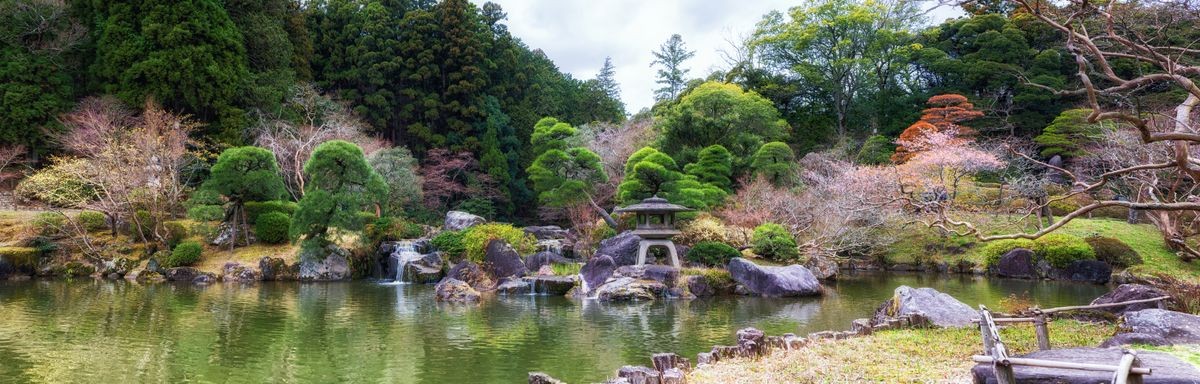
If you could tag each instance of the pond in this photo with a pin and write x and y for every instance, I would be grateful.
(105, 331)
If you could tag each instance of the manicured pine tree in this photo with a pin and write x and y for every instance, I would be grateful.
(776, 162)
(342, 185)
(715, 166)
(244, 174)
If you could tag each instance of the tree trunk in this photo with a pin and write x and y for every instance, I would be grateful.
(608, 219)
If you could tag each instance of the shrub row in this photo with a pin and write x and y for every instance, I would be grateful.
(1062, 249)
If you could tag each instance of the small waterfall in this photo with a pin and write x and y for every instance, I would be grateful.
(550, 245)
(405, 252)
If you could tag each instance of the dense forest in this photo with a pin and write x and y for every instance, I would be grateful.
(457, 113)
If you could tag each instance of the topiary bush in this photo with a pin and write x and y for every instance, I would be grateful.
(206, 213)
(255, 209)
(1114, 252)
(774, 242)
(704, 228)
(1061, 249)
(476, 239)
(57, 185)
(92, 221)
(450, 242)
(272, 227)
(184, 254)
(992, 250)
(176, 231)
(712, 253)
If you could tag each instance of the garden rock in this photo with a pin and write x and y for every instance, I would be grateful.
(1130, 292)
(1166, 368)
(792, 280)
(233, 271)
(546, 232)
(181, 274)
(1174, 327)
(596, 272)
(501, 261)
(1134, 338)
(1018, 263)
(824, 268)
(665, 274)
(452, 290)
(334, 264)
(459, 220)
(1088, 271)
(551, 285)
(274, 268)
(538, 260)
(472, 274)
(623, 248)
(513, 286)
(629, 289)
(940, 309)
(425, 270)
(542, 378)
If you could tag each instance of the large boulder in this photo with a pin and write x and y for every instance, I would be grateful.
(623, 248)
(331, 264)
(181, 274)
(274, 268)
(536, 261)
(1134, 339)
(665, 274)
(472, 274)
(1088, 271)
(1130, 292)
(1166, 368)
(424, 270)
(234, 271)
(701, 286)
(941, 309)
(629, 289)
(823, 267)
(501, 261)
(513, 286)
(596, 272)
(551, 285)
(458, 220)
(1174, 327)
(452, 290)
(792, 280)
(1018, 263)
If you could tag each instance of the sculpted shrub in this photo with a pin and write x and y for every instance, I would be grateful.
(184, 254)
(1060, 249)
(703, 228)
(92, 220)
(774, 242)
(476, 239)
(712, 253)
(450, 242)
(272, 227)
(255, 209)
(1114, 252)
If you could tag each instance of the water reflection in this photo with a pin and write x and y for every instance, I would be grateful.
(101, 331)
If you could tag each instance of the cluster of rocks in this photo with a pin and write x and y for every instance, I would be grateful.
(1022, 263)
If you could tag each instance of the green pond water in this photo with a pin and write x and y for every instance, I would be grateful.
(88, 331)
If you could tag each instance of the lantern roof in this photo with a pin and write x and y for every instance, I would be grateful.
(654, 204)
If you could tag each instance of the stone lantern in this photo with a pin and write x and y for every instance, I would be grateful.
(656, 226)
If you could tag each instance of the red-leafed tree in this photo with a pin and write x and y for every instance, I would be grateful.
(451, 177)
(945, 116)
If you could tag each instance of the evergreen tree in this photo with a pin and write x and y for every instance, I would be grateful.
(719, 113)
(35, 78)
(399, 170)
(269, 51)
(563, 178)
(608, 80)
(342, 185)
(672, 75)
(549, 133)
(776, 162)
(648, 172)
(714, 166)
(1067, 135)
(244, 174)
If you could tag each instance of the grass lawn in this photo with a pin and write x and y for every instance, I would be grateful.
(920, 355)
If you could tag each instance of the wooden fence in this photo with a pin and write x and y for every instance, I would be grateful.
(996, 353)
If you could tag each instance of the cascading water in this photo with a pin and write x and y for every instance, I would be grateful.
(404, 253)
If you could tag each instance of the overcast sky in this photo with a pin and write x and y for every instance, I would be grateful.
(579, 34)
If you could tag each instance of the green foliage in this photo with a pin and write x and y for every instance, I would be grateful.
(672, 76)
(719, 114)
(1061, 249)
(774, 242)
(142, 225)
(478, 206)
(476, 238)
(398, 168)
(648, 172)
(49, 223)
(702, 229)
(877, 150)
(1114, 252)
(36, 76)
(177, 231)
(57, 185)
(992, 250)
(561, 178)
(392, 229)
(184, 254)
(254, 209)
(206, 213)
(714, 166)
(776, 162)
(549, 133)
(244, 174)
(712, 253)
(1068, 134)
(341, 184)
(449, 242)
(92, 221)
(272, 227)
(566, 269)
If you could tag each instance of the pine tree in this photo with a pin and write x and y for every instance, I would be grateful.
(608, 80)
(714, 166)
(673, 76)
(776, 162)
(342, 185)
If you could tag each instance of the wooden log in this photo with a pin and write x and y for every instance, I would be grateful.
(1043, 334)
(1059, 364)
(1009, 320)
(664, 361)
(1098, 306)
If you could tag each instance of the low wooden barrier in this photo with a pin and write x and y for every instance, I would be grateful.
(996, 353)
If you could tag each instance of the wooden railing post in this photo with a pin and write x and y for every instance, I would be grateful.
(1040, 328)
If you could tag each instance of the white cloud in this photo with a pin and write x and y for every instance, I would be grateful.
(579, 34)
